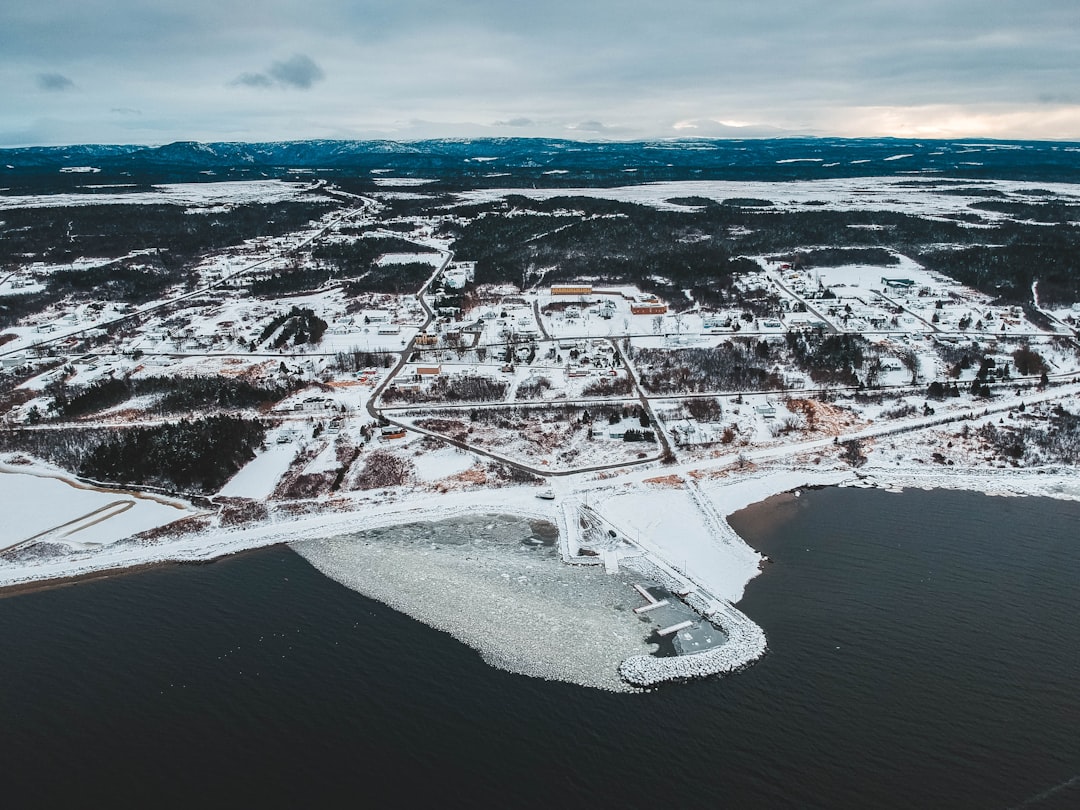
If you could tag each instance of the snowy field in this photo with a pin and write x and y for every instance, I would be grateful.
(259, 476)
(198, 195)
(868, 277)
(435, 465)
(840, 194)
(434, 259)
(77, 515)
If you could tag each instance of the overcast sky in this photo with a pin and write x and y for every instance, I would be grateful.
(132, 71)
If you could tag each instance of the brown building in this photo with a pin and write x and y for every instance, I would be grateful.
(653, 308)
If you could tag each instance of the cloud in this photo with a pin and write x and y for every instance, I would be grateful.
(298, 72)
(54, 82)
(253, 80)
(1056, 98)
(711, 128)
(125, 111)
(599, 128)
(485, 67)
(960, 121)
(589, 126)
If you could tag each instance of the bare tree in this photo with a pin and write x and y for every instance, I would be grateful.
(383, 469)
(873, 371)
(910, 360)
(853, 453)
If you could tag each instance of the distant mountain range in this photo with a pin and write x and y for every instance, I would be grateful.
(535, 161)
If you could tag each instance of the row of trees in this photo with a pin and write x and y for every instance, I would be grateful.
(396, 279)
(298, 326)
(838, 257)
(383, 468)
(455, 388)
(355, 262)
(358, 359)
(298, 278)
(829, 358)
(196, 456)
(729, 367)
(534, 387)
(609, 386)
(175, 394)
(703, 409)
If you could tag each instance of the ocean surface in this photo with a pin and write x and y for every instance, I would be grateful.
(924, 653)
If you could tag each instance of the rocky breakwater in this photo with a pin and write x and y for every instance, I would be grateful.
(745, 644)
(745, 641)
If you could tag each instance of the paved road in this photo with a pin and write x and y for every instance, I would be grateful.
(667, 451)
(778, 280)
(373, 407)
(540, 321)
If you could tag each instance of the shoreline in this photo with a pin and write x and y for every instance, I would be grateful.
(728, 496)
(713, 602)
(20, 588)
(207, 546)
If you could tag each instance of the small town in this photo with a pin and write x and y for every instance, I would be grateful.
(356, 365)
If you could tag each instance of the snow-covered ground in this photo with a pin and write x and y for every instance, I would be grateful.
(433, 259)
(258, 477)
(668, 521)
(436, 465)
(376, 510)
(841, 194)
(199, 195)
(46, 505)
(664, 518)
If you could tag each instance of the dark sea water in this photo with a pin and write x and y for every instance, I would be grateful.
(925, 653)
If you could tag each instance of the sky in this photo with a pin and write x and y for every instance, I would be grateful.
(137, 72)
